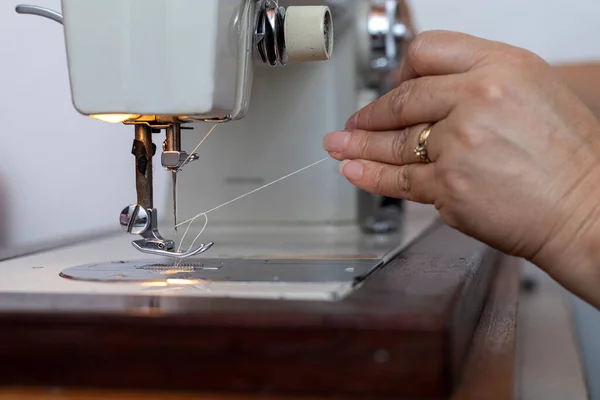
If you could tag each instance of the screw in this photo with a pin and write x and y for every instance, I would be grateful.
(134, 219)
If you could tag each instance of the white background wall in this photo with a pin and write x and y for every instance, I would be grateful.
(63, 174)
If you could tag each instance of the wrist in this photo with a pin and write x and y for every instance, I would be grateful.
(579, 271)
(571, 255)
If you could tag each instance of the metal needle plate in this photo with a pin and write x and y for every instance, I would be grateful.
(226, 270)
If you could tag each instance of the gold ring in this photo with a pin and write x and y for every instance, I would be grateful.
(421, 149)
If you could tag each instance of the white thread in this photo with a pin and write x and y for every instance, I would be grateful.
(185, 234)
(199, 144)
(201, 231)
(186, 160)
(191, 221)
(254, 191)
(187, 230)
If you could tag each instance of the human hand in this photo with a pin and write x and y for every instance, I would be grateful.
(514, 154)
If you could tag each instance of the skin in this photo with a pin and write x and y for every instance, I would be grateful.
(584, 81)
(515, 154)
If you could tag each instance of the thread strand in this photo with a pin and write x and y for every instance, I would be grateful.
(191, 221)
(199, 144)
(253, 191)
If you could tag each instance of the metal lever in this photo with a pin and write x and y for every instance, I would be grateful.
(40, 12)
(139, 245)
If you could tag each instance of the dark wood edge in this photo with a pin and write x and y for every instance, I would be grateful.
(491, 365)
(466, 316)
(395, 253)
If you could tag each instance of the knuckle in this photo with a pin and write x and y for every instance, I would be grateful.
(377, 181)
(454, 184)
(418, 43)
(469, 134)
(364, 117)
(516, 63)
(399, 97)
(414, 47)
(489, 90)
(398, 146)
(471, 137)
(404, 182)
(526, 57)
(360, 144)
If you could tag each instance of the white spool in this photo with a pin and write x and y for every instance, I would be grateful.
(308, 33)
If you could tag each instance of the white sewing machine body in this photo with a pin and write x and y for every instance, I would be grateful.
(160, 57)
(291, 109)
(187, 59)
(196, 61)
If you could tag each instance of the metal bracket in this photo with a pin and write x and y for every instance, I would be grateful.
(140, 246)
(139, 221)
(40, 12)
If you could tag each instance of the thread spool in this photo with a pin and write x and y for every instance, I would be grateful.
(308, 33)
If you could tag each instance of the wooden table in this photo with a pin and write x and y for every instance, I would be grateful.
(435, 276)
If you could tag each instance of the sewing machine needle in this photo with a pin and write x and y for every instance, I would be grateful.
(174, 176)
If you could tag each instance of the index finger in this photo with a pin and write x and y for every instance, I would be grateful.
(418, 101)
(436, 56)
(443, 53)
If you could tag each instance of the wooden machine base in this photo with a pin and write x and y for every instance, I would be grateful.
(438, 322)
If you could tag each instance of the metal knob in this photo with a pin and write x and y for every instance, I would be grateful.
(300, 34)
(308, 33)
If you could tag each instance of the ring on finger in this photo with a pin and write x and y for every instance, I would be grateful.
(421, 149)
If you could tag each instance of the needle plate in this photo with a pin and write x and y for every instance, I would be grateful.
(226, 270)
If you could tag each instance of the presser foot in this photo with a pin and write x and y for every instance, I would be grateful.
(142, 246)
(137, 220)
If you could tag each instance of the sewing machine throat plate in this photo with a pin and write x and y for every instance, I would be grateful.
(226, 270)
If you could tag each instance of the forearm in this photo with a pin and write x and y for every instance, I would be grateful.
(584, 81)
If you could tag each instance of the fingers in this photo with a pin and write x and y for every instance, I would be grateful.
(392, 147)
(443, 53)
(414, 182)
(418, 101)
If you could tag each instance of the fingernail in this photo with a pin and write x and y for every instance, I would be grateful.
(336, 142)
(352, 170)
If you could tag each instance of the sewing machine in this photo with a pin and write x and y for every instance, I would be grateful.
(253, 55)
(109, 77)
(289, 267)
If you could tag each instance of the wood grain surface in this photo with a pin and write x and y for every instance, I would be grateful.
(490, 372)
